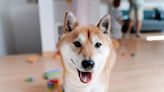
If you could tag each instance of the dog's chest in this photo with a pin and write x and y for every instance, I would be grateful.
(99, 88)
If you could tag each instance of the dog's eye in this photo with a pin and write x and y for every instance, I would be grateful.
(77, 44)
(98, 45)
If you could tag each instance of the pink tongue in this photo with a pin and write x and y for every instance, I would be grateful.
(85, 77)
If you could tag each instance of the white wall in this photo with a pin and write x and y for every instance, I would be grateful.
(7, 45)
(49, 33)
(26, 28)
(104, 9)
(19, 27)
(87, 11)
(2, 42)
(60, 7)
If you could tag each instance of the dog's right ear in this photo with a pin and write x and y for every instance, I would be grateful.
(105, 24)
(70, 22)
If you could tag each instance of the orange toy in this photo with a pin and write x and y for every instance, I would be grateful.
(116, 44)
(32, 59)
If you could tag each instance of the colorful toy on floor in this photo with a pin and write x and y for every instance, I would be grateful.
(52, 74)
(32, 59)
(50, 85)
(29, 79)
(55, 85)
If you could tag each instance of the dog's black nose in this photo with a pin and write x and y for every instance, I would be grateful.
(88, 64)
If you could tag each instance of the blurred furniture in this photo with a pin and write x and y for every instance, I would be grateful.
(149, 23)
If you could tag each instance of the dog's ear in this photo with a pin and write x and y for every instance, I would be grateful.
(105, 24)
(70, 22)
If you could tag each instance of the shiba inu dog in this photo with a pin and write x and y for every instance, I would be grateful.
(88, 55)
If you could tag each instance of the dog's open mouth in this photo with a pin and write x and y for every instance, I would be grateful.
(85, 77)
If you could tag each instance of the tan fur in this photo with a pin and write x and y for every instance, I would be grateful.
(85, 30)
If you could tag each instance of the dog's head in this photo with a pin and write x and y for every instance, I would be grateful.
(85, 49)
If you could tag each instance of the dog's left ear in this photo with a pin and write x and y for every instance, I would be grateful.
(70, 22)
(105, 24)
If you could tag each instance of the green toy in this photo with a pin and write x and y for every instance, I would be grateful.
(51, 74)
(29, 79)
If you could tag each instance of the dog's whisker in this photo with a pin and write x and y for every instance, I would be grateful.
(72, 61)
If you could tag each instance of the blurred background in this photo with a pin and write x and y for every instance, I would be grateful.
(29, 31)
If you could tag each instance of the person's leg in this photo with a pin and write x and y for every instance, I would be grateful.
(138, 29)
(139, 17)
(130, 25)
(131, 20)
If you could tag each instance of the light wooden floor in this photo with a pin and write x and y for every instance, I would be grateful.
(13, 72)
(142, 73)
